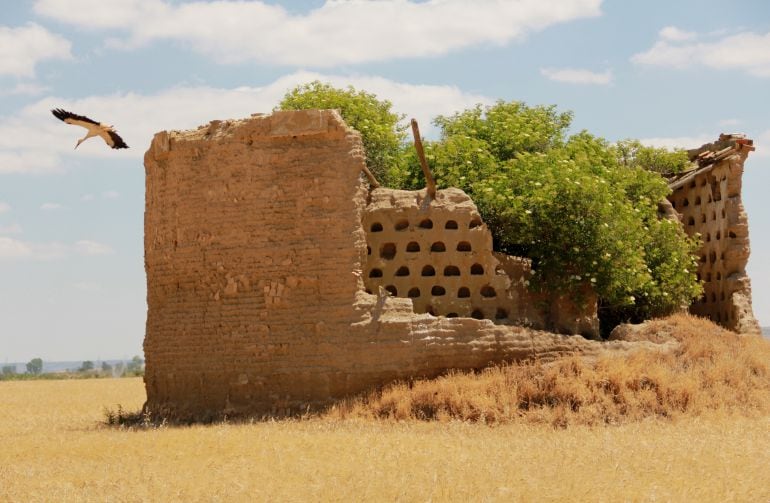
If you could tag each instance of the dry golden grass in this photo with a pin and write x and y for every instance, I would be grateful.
(55, 446)
(712, 369)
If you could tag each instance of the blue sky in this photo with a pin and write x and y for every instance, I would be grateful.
(71, 221)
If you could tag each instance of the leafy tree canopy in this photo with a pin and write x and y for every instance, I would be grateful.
(35, 366)
(381, 131)
(578, 206)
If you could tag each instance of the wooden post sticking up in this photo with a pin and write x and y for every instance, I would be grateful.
(372, 180)
(430, 183)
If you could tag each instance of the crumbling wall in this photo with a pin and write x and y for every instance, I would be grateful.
(256, 255)
(708, 199)
(438, 253)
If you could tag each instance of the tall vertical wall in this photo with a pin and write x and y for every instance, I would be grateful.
(255, 255)
(709, 202)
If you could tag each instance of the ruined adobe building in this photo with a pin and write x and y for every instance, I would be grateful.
(708, 199)
(277, 280)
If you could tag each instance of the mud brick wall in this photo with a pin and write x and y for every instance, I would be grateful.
(709, 202)
(439, 254)
(256, 261)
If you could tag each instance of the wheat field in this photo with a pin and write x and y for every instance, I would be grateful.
(55, 447)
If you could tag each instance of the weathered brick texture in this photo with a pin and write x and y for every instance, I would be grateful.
(709, 202)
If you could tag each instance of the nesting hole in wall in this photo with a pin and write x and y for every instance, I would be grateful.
(438, 291)
(685, 202)
(723, 213)
(477, 314)
(708, 276)
(376, 227)
(368, 250)
(691, 221)
(463, 292)
(708, 237)
(413, 293)
(723, 296)
(413, 247)
(426, 224)
(731, 235)
(392, 290)
(719, 235)
(451, 315)
(475, 222)
(388, 251)
(375, 273)
(428, 270)
(697, 200)
(477, 270)
(703, 258)
(438, 246)
(402, 225)
(488, 292)
(713, 257)
(463, 246)
(368, 291)
(501, 314)
(451, 270)
(402, 271)
(692, 184)
(430, 310)
(450, 224)
(719, 276)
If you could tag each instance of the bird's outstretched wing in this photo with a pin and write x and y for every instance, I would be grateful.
(71, 118)
(114, 140)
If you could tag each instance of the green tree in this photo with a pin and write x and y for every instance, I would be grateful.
(381, 132)
(135, 365)
(581, 211)
(632, 154)
(106, 368)
(86, 366)
(35, 366)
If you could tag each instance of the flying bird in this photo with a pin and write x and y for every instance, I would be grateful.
(94, 128)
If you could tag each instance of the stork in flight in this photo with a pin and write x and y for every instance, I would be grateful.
(94, 128)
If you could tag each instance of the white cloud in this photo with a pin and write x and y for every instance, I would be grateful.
(729, 122)
(577, 76)
(87, 197)
(4, 207)
(686, 142)
(24, 47)
(675, 34)
(110, 194)
(10, 229)
(51, 206)
(86, 247)
(14, 249)
(33, 141)
(339, 32)
(24, 89)
(749, 52)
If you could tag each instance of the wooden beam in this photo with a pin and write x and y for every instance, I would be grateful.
(430, 183)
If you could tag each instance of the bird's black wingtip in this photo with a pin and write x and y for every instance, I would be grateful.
(60, 114)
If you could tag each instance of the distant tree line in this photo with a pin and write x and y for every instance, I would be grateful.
(87, 369)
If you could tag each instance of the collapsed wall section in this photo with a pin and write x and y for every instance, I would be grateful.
(708, 200)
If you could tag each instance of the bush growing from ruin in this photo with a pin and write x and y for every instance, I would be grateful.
(581, 208)
(382, 132)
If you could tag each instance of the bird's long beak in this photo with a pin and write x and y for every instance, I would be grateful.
(77, 145)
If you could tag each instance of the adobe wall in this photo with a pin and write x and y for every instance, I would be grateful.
(439, 254)
(709, 202)
(256, 255)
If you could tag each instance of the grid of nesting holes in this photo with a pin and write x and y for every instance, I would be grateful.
(700, 207)
(389, 250)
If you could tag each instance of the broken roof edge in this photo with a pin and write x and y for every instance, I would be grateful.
(708, 155)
